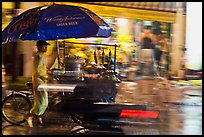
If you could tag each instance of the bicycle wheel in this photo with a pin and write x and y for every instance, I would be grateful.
(15, 107)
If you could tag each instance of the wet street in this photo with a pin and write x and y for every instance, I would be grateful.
(179, 107)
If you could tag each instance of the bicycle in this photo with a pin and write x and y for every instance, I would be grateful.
(17, 105)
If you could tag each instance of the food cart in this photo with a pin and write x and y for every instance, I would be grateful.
(95, 83)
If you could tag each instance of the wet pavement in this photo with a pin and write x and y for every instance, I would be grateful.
(179, 107)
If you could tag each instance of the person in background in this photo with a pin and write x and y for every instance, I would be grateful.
(164, 49)
(163, 42)
(157, 50)
(146, 55)
(39, 76)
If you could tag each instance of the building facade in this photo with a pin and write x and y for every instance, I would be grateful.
(132, 13)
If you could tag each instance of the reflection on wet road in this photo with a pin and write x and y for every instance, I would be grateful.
(180, 113)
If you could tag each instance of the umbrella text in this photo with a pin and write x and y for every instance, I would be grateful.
(67, 23)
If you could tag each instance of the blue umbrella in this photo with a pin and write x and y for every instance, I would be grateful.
(55, 22)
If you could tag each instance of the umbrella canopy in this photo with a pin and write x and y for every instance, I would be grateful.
(55, 22)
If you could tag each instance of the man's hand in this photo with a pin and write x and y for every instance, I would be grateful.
(50, 78)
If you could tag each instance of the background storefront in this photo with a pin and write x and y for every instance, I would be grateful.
(127, 24)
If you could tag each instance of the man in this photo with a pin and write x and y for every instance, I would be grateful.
(39, 76)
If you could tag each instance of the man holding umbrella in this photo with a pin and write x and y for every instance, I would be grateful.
(39, 76)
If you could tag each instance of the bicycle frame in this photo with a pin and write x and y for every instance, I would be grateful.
(19, 103)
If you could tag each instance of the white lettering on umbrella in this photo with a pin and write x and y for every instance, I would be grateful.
(67, 24)
(63, 18)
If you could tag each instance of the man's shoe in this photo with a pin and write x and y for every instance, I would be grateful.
(40, 120)
(30, 121)
(29, 118)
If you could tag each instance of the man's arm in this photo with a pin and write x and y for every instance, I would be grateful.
(52, 59)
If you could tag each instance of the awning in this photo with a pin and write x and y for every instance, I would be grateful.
(152, 11)
(155, 6)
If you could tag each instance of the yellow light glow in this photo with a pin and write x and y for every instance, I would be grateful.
(194, 36)
(8, 5)
(122, 21)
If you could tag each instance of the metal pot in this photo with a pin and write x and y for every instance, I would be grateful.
(73, 64)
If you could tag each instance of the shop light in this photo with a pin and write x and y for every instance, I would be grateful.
(122, 21)
(147, 23)
(8, 5)
(194, 36)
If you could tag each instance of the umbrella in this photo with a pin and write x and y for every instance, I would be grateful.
(55, 22)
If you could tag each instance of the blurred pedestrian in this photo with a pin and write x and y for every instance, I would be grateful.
(164, 50)
(39, 76)
(146, 55)
(163, 43)
(157, 50)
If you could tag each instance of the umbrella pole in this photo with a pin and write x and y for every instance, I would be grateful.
(58, 54)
